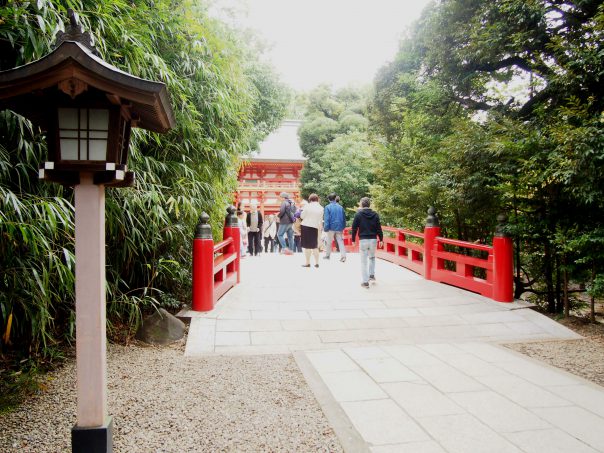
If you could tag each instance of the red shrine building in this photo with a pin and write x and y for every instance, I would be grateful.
(276, 168)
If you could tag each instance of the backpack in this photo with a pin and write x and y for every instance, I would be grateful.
(290, 211)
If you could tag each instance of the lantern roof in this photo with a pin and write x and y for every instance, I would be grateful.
(73, 67)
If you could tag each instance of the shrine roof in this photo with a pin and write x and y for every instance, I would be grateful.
(282, 145)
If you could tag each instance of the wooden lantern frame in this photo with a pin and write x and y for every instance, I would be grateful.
(72, 75)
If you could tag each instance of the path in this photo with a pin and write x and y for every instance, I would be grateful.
(407, 365)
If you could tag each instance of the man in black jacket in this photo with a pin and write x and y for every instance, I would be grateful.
(367, 223)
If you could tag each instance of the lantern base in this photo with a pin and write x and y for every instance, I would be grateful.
(97, 439)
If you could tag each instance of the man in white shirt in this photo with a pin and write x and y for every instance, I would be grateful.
(254, 225)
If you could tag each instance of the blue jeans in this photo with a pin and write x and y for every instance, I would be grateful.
(367, 250)
(283, 229)
(339, 241)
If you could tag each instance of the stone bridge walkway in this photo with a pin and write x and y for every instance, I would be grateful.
(407, 365)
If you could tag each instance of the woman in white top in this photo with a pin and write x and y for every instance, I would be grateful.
(312, 219)
(243, 232)
(269, 231)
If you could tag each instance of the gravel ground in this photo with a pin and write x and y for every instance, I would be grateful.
(164, 402)
(584, 357)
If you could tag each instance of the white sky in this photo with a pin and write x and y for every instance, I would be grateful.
(339, 42)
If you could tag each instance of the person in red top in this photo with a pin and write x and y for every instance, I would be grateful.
(367, 223)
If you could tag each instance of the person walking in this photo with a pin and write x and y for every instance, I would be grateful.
(334, 224)
(242, 232)
(287, 210)
(367, 223)
(297, 226)
(312, 220)
(253, 221)
(277, 243)
(269, 232)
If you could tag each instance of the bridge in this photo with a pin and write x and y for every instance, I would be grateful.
(408, 364)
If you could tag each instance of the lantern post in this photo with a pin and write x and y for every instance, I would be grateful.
(86, 107)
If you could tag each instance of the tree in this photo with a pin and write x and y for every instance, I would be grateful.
(344, 167)
(316, 133)
(497, 105)
(469, 44)
(334, 138)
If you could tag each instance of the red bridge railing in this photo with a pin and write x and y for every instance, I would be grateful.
(216, 267)
(483, 269)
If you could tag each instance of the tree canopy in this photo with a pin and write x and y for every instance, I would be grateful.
(334, 139)
(497, 106)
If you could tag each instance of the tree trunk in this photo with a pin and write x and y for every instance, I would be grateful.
(565, 289)
(548, 275)
(459, 226)
(592, 302)
(518, 286)
(558, 295)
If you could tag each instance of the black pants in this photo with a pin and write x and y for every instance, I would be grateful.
(254, 244)
(269, 241)
(297, 244)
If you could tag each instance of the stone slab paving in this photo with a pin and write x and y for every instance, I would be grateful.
(460, 397)
(407, 365)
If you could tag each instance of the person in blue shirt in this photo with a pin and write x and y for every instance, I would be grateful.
(334, 222)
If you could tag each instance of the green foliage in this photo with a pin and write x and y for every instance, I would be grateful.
(322, 102)
(271, 101)
(334, 138)
(350, 121)
(414, 169)
(224, 102)
(343, 167)
(297, 106)
(596, 288)
(317, 133)
(36, 250)
(17, 383)
(496, 106)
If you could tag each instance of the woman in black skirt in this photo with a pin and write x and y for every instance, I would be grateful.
(312, 222)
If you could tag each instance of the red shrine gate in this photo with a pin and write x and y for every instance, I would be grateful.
(262, 180)
(276, 168)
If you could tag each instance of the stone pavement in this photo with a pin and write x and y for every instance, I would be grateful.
(407, 365)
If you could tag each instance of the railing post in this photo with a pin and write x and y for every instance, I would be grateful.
(503, 264)
(231, 230)
(431, 231)
(203, 266)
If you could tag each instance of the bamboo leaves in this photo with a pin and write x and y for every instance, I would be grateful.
(179, 174)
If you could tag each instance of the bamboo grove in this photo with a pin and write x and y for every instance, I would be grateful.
(225, 100)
